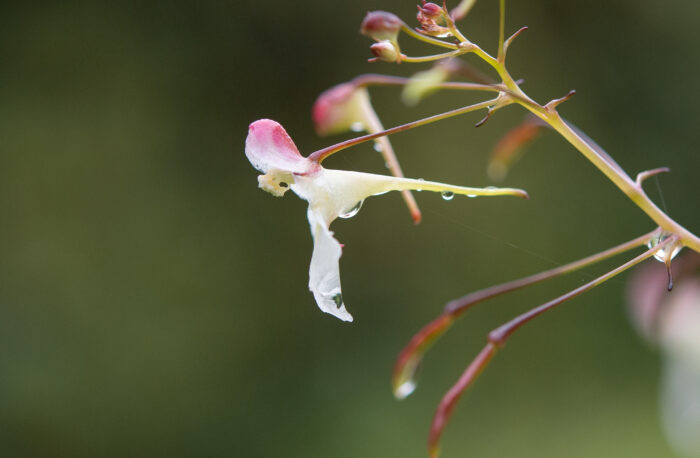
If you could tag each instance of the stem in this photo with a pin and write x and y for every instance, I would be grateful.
(501, 31)
(609, 168)
(427, 39)
(374, 125)
(322, 154)
(631, 189)
(459, 306)
(500, 335)
(372, 79)
(415, 60)
(412, 354)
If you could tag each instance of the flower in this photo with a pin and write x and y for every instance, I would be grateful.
(330, 194)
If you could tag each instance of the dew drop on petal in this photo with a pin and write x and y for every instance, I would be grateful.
(357, 127)
(471, 196)
(350, 213)
(338, 299)
(378, 147)
(447, 195)
(419, 179)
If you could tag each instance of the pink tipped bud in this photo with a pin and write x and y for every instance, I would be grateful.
(432, 19)
(341, 108)
(381, 25)
(385, 51)
(430, 10)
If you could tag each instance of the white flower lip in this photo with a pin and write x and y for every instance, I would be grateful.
(330, 194)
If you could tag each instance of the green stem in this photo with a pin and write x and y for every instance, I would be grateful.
(427, 39)
(372, 79)
(611, 170)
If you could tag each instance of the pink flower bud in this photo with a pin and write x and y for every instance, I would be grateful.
(385, 51)
(341, 108)
(381, 25)
(432, 19)
(430, 10)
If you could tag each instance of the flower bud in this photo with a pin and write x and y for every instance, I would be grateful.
(341, 108)
(432, 19)
(430, 10)
(385, 51)
(381, 25)
(424, 83)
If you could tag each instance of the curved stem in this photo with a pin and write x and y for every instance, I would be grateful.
(374, 79)
(322, 154)
(427, 39)
(498, 337)
(374, 125)
(415, 60)
(610, 169)
(412, 354)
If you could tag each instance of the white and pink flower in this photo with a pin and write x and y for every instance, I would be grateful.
(330, 194)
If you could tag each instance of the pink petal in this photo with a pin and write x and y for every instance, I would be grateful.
(268, 146)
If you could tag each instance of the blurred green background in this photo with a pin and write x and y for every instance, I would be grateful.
(154, 302)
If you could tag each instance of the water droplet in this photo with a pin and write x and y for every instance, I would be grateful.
(378, 147)
(405, 382)
(352, 212)
(667, 253)
(338, 299)
(357, 127)
(419, 179)
(447, 195)
(405, 389)
(471, 196)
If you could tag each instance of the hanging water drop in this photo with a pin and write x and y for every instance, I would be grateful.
(378, 147)
(471, 196)
(405, 382)
(667, 253)
(338, 299)
(419, 179)
(447, 195)
(350, 213)
(405, 389)
(357, 127)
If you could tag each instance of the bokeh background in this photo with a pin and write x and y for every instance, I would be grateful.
(153, 301)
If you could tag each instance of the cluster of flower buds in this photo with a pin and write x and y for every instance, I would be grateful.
(432, 19)
(384, 28)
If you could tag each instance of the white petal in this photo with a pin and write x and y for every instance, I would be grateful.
(324, 273)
